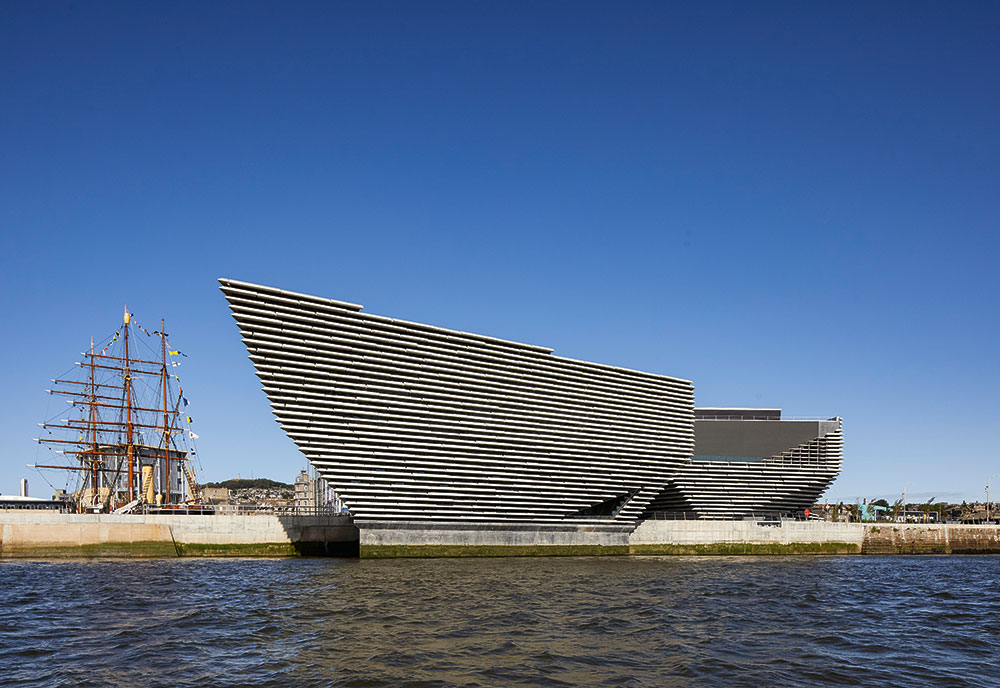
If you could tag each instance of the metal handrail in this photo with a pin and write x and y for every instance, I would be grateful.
(228, 509)
(250, 509)
(239, 510)
(770, 418)
(699, 516)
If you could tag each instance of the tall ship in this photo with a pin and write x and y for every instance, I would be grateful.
(126, 443)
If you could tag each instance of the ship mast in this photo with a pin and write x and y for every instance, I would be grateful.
(128, 415)
(166, 430)
(93, 428)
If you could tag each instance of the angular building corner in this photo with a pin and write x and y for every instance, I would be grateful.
(411, 422)
(751, 461)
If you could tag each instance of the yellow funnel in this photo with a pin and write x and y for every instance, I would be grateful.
(147, 484)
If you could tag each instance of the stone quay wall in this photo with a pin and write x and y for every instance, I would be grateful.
(948, 538)
(45, 534)
(42, 534)
(811, 537)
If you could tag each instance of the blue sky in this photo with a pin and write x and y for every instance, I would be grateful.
(791, 204)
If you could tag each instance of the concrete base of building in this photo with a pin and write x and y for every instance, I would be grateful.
(459, 539)
(746, 537)
(664, 537)
(430, 551)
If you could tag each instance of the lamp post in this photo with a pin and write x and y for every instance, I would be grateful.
(905, 485)
(996, 475)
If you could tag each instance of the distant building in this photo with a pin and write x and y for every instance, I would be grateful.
(215, 495)
(305, 491)
(313, 492)
(24, 503)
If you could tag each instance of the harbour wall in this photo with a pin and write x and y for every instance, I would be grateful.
(746, 537)
(811, 537)
(897, 538)
(40, 534)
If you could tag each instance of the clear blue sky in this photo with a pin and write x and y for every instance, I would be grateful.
(791, 204)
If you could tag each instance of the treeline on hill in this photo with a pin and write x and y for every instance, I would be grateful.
(248, 484)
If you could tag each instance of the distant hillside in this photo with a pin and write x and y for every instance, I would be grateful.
(245, 484)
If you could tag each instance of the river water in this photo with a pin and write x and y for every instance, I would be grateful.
(615, 621)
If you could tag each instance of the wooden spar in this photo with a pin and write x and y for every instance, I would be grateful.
(166, 430)
(41, 439)
(134, 360)
(136, 371)
(88, 395)
(77, 382)
(93, 419)
(88, 452)
(134, 408)
(110, 424)
(64, 468)
(128, 415)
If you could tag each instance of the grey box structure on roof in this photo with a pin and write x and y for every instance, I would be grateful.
(415, 422)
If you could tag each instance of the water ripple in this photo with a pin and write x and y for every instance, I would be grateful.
(642, 621)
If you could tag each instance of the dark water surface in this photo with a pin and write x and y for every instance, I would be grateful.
(648, 621)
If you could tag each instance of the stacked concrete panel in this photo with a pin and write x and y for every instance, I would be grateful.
(413, 422)
(409, 421)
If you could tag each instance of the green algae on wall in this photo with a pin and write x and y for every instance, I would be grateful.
(253, 549)
(413, 551)
(931, 539)
(137, 549)
(730, 548)
(269, 549)
(166, 548)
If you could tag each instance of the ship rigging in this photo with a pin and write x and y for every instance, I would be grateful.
(128, 433)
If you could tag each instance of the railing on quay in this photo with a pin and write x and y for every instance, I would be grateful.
(776, 517)
(766, 417)
(250, 509)
(768, 516)
(192, 509)
(242, 510)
